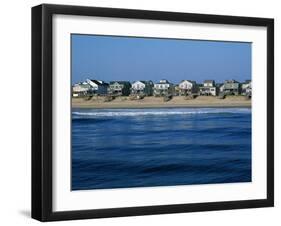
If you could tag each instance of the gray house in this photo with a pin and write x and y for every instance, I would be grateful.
(119, 88)
(231, 87)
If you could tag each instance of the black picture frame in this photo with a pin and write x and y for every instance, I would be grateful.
(42, 111)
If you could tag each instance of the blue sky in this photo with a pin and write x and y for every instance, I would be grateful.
(112, 58)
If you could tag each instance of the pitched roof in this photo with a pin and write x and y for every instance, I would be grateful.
(97, 82)
(145, 82)
(82, 85)
(193, 82)
(120, 82)
(209, 81)
(163, 81)
(231, 81)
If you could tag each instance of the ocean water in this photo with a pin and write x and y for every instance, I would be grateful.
(122, 148)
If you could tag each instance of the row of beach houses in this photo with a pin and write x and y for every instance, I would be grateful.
(161, 88)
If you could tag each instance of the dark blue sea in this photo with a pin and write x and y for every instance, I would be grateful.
(121, 148)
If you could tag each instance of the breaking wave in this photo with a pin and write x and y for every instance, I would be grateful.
(158, 112)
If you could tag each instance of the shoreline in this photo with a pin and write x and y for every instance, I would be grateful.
(154, 102)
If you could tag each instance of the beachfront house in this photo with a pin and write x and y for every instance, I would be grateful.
(231, 87)
(220, 87)
(98, 87)
(208, 89)
(246, 88)
(119, 88)
(187, 87)
(176, 90)
(81, 89)
(142, 88)
(162, 88)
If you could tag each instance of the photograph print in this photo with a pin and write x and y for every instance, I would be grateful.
(150, 112)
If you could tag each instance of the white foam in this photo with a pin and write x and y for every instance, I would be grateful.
(157, 112)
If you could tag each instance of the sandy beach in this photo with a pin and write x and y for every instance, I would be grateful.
(158, 102)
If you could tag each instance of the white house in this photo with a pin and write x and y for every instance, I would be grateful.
(142, 87)
(187, 87)
(208, 89)
(163, 87)
(81, 89)
(98, 86)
